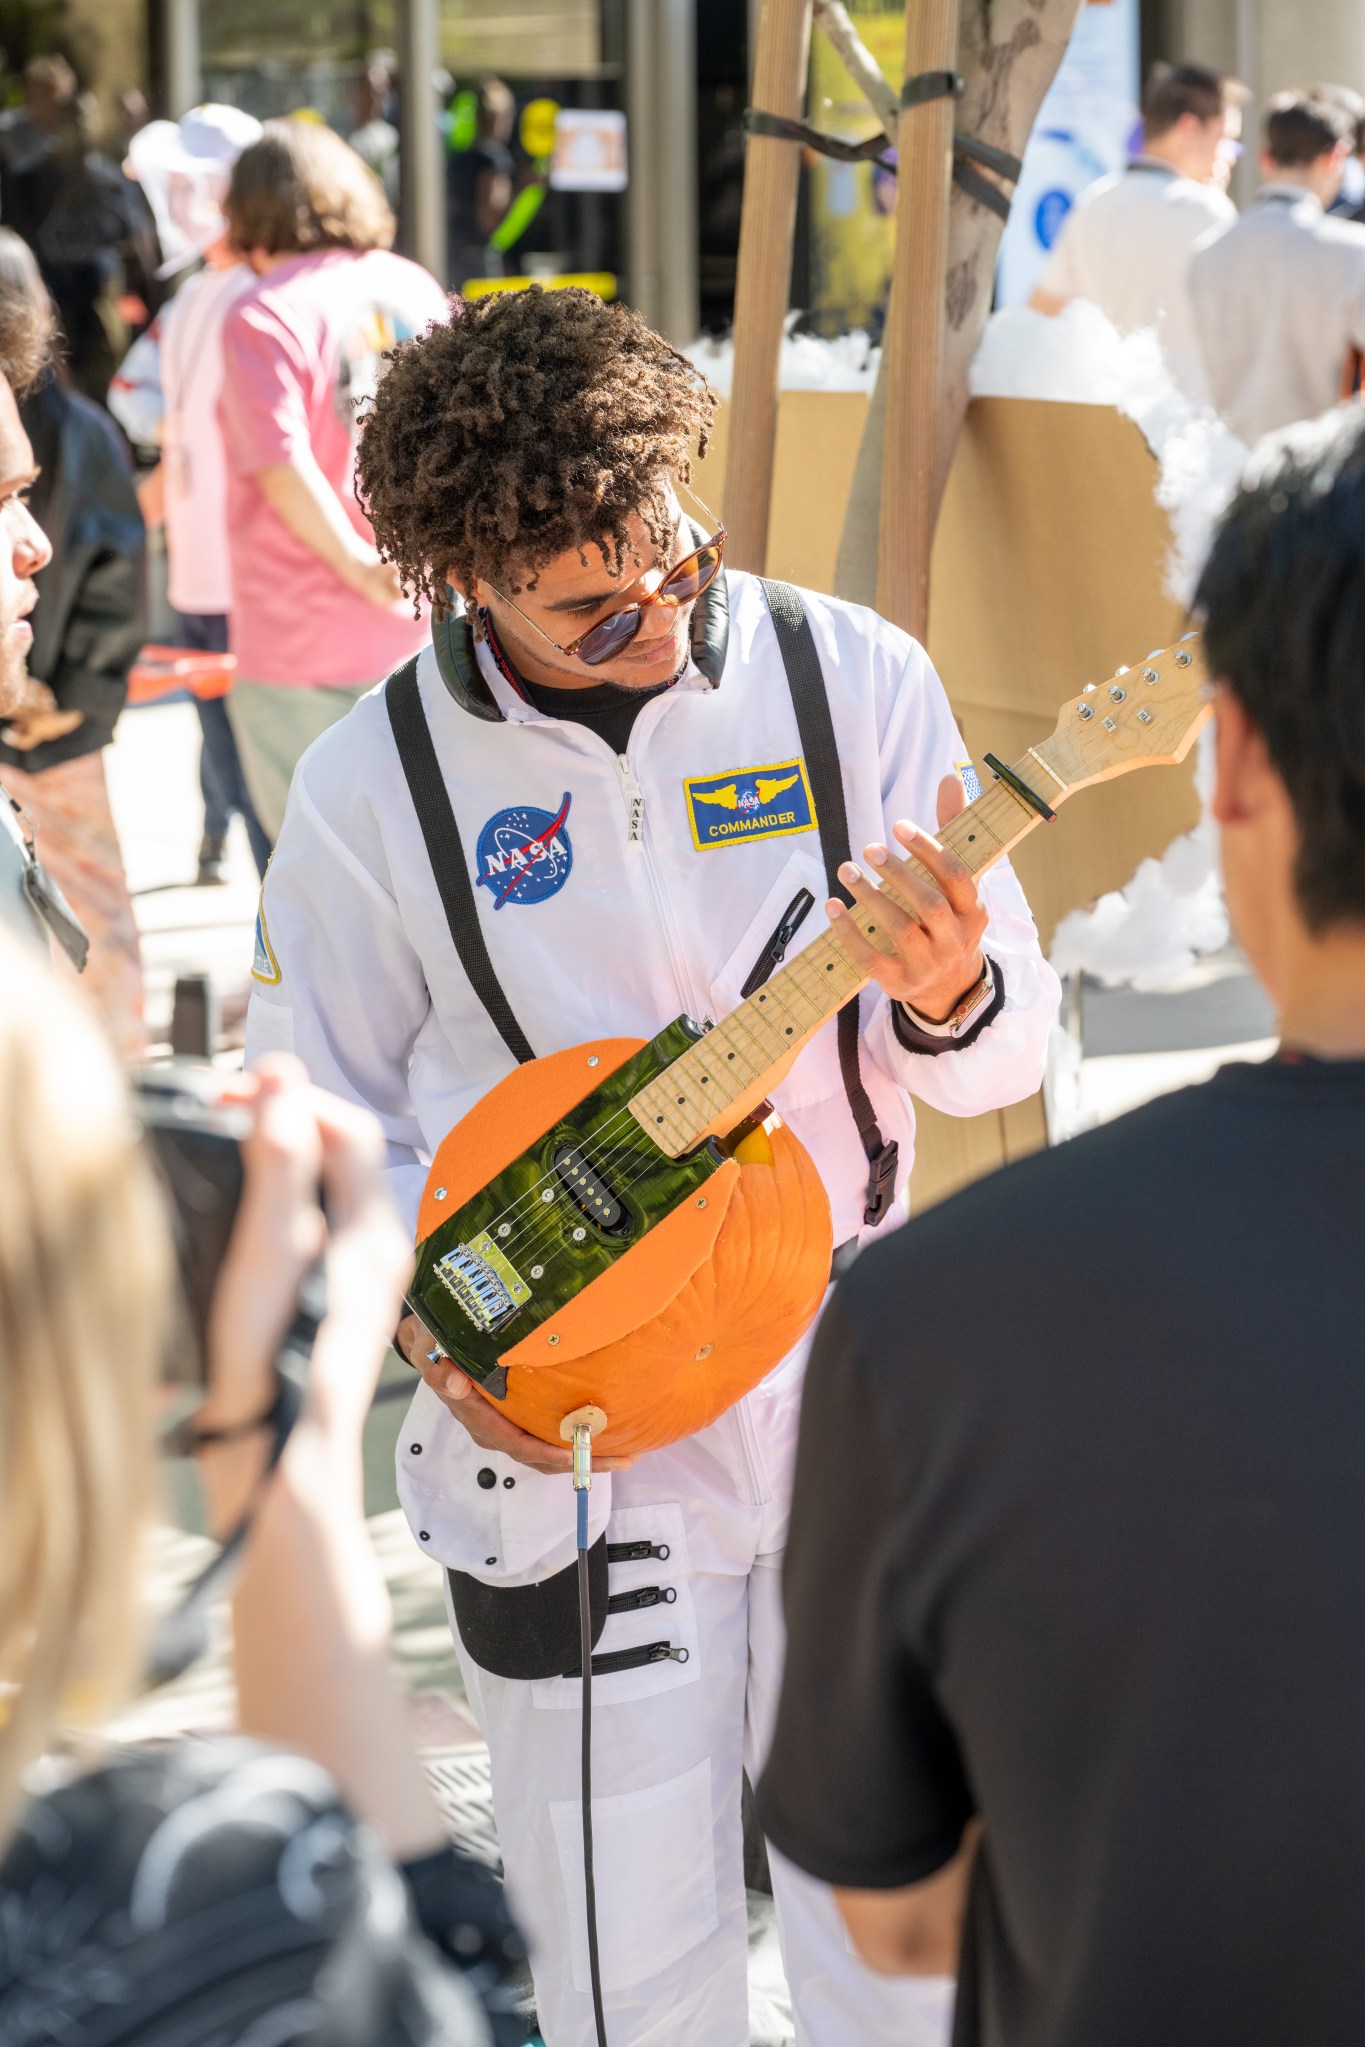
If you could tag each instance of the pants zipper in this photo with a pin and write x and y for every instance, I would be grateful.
(617, 1660)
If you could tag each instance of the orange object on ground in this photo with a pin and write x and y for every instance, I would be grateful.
(159, 670)
(693, 1316)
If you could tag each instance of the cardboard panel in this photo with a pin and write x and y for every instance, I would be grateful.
(1049, 555)
(817, 446)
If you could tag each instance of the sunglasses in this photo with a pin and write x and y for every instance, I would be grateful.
(685, 581)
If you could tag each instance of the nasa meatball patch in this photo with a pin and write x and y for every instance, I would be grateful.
(524, 855)
(749, 803)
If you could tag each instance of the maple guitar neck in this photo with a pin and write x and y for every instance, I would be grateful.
(724, 1077)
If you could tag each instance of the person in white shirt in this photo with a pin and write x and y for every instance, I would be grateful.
(1126, 243)
(165, 394)
(596, 738)
(1279, 301)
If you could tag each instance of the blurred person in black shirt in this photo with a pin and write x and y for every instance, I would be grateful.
(87, 629)
(480, 182)
(90, 230)
(1076, 1576)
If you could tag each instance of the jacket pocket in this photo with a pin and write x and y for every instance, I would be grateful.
(654, 1862)
(815, 1074)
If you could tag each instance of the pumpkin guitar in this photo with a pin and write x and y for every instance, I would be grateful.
(625, 1232)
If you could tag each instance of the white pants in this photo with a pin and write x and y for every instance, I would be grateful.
(669, 1742)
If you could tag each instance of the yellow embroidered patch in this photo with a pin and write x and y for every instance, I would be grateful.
(749, 803)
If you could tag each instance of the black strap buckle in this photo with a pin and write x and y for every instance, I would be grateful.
(881, 1182)
(932, 85)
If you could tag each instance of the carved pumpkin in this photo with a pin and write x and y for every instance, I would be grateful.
(737, 1315)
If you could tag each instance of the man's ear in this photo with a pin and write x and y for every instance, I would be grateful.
(1244, 778)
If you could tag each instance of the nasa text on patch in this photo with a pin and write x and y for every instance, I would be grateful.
(524, 854)
(749, 803)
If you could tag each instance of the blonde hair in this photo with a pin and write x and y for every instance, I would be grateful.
(300, 187)
(84, 1299)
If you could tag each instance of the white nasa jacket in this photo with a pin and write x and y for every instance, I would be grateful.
(613, 896)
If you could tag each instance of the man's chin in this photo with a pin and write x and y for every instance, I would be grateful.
(13, 680)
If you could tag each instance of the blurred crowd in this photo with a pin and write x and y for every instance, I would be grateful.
(220, 294)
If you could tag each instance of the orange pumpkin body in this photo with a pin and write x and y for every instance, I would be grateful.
(693, 1316)
(731, 1321)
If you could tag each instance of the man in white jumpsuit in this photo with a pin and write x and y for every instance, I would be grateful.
(528, 453)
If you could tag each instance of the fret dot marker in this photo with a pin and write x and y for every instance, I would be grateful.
(681, 1100)
(789, 1030)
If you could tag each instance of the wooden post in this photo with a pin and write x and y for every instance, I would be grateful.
(914, 328)
(763, 278)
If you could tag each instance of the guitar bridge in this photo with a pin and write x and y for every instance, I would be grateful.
(485, 1284)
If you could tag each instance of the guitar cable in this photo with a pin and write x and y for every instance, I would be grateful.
(582, 1484)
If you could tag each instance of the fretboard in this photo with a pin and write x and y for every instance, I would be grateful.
(723, 1077)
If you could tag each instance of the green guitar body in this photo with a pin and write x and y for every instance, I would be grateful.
(554, 1218)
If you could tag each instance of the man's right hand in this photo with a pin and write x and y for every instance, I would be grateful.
(489, 1429)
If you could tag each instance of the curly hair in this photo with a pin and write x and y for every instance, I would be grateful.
(299, 187)
(534, 422)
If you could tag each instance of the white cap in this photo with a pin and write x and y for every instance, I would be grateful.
(184, 167)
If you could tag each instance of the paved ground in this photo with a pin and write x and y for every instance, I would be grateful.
(1133, 1047)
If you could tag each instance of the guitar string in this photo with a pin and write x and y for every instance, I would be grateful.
(996, 799)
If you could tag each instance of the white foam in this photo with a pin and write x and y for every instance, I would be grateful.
(848, 363)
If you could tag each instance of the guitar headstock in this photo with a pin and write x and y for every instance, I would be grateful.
(1143, 716)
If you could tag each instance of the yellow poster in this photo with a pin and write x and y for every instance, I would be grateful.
(852, 205)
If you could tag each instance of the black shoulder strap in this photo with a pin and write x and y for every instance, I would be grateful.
(431, 801)
(806, 681)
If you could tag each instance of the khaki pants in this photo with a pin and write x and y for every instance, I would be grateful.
(274, 726)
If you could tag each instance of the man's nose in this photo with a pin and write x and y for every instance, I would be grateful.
(32, 548)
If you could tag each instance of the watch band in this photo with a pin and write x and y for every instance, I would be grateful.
(983, 1003)
(963, 1010)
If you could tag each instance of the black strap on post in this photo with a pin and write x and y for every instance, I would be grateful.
(783, 130)
(968, 153)
(806, 681)
(932, 85)
(431, 801)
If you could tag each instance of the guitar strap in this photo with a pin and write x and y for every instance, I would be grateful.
(441, 834)
(810, 701)
(431, 801)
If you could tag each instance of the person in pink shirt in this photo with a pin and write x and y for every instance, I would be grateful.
(317, 618)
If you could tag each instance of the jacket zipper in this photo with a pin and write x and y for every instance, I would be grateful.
(637, 835)
(636, 1552)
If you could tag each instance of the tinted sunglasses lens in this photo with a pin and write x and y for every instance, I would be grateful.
(691, 576)
(610, 636)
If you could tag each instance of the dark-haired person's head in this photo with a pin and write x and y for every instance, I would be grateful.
(301, 188)
(1191, 118)
(26, 336)
(1307, 137)
(1283, 603)
(527, 455)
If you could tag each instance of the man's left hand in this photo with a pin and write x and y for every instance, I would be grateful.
(937, 957)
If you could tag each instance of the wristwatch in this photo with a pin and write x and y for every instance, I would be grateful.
(965, 1011)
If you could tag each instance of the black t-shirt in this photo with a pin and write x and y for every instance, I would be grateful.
(1079, 1545)
(607, 708)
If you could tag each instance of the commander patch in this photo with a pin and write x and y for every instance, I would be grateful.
(749, 803)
